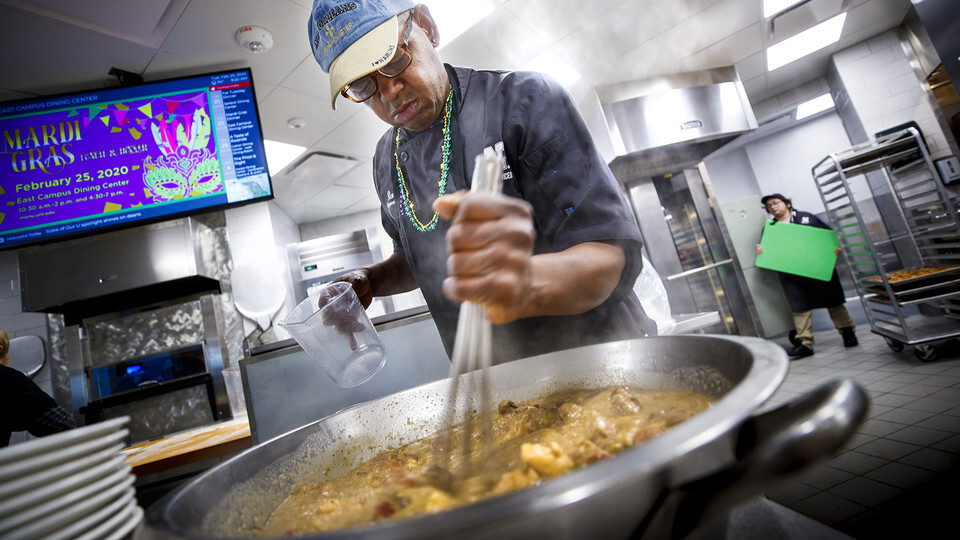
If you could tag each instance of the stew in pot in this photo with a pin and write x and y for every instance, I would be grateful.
(533, 441)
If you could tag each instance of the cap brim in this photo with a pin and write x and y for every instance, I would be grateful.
(375, 48)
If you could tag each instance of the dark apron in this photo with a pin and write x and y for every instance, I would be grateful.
(426, 251)
(805, 294)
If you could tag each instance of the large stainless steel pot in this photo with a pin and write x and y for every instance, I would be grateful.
(718, 456)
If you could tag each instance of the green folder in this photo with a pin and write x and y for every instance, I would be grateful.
(798, 249)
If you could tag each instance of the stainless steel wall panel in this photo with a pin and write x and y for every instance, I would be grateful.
(121, 266)
(685, 241)
(213, 348)
(141, 334)
(160, 415)
(661, 252)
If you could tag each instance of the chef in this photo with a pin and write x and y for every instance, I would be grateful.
(553, 259)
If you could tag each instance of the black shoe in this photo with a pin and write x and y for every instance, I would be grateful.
(800, 351)
(849, 338)
(792, 336)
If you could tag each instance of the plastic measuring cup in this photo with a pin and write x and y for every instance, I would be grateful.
(334, 329)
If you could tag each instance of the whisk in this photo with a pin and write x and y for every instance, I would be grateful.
(473, 349)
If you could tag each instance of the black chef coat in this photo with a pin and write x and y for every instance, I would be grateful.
(552, 163)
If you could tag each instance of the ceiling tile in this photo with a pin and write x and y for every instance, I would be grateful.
(308, 78)
(282, 104)
(358, 137)
(754, 87)
(651, 59)
(195, 37)
(314, 173)
(670, 13)
(799, 93)
(360, 176)
(807, 15)
(728, 51)
(366, 204)
(752, 66)
(552, 19)
(53, 64)
(612, 34)
(166, 65)
(499, 41)
(146, 22)
(870, 19)
(262, 89)
(713, 24)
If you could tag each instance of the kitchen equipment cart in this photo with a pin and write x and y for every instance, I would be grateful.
(899, 233)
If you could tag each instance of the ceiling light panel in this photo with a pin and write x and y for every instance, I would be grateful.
(804, 43)
(813, 106)
(279, 155)
(454, 17)
(772, 7)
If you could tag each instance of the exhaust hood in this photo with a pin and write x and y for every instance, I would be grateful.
(675, 120)
(120, 270)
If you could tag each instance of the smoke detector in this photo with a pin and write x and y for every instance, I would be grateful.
(255, 39)
(296, 122)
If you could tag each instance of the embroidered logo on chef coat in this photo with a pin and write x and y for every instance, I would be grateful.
(507, 173)
(804, 220)
(390, 201)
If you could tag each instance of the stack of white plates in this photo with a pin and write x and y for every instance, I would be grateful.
(69, 485)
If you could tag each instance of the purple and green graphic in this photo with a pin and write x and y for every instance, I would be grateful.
(96, 159)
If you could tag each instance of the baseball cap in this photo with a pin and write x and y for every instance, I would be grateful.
(766, 198)
(353, 39)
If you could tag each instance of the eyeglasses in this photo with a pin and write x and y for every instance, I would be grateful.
(365, 87)
(774, 203)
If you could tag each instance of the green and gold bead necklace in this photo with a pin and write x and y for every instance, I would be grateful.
(407, 206)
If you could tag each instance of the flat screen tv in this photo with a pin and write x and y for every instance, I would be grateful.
(81, 163)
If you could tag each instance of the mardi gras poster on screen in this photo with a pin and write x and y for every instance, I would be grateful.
(86, 166)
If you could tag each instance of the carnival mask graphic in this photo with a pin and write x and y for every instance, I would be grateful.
(187, 167)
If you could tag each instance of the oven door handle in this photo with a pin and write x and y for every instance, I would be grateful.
(151, 382)
(698, 270)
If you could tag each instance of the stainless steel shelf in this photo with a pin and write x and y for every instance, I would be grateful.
(897, 217)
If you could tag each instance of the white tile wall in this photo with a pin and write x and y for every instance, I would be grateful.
(782, 162)
(885, 90)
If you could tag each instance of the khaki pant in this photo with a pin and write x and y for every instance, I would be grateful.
(803, 322)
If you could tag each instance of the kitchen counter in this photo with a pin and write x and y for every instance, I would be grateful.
(189, 446)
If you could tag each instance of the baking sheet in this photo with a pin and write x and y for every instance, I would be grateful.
(893, 279)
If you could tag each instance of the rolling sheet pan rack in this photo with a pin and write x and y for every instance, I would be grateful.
(895, 221)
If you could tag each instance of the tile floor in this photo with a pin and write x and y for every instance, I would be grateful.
(899, 476)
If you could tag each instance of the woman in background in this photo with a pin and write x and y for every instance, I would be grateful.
(23, 405)
(806, 294)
